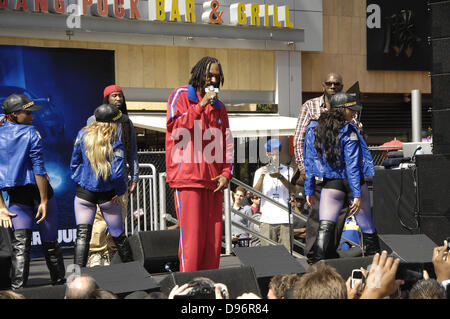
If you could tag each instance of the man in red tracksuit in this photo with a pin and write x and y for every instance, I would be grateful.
(199, 152)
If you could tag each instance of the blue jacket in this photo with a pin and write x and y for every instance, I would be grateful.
(357, 161)
(84, 175)
(131, 156)
(21, 155)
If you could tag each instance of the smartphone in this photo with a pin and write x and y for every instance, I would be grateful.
(357, 276)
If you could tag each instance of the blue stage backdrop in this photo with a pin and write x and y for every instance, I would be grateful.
(69, 84)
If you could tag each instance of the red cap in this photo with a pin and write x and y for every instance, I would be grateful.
(110, 89)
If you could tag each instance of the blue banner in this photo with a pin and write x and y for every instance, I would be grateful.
(69, 84)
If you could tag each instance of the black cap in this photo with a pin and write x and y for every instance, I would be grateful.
(346, 100)
(19, 102)
(109, 113)
(299, 195)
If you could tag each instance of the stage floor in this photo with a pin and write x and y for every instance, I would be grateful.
(40, 277)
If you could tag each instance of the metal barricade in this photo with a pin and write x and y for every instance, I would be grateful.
(143, 204)
(227, 222)
(247, 229)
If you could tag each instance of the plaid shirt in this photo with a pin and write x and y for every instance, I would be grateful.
(311, 110)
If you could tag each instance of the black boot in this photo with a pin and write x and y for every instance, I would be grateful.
(55, 262)
(123, 248)
(84, 232)
(324, 246)
(371, 243)
(20, 259)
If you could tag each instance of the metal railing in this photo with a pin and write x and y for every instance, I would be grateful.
(143, 204)
(229, 209)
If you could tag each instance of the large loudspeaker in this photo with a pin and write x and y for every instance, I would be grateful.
(268, 261)
(441, 61)
(122, 279)
(434, 190)
(440, 42)
(344, 266)
(237, 279)
(441, 131)
(46, 292)
(440, 24)
(409, 248)
(415, 253)
(155, 249)
(435, 227)
(394, 202)
(399, 210)
(441, 94)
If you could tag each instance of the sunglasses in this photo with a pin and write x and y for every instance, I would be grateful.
(328, 83)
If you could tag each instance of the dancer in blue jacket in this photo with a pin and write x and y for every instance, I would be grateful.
(337, 158)
(98, 168)
(24, 178)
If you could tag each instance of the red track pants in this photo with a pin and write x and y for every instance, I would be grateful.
(199, 213)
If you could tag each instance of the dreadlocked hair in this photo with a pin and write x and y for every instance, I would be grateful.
(98, 142)
(201, 68)
(326, 141)
(126, 130)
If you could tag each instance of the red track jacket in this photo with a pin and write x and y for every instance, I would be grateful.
(199, 145)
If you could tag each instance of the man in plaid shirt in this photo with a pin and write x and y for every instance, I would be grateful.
(311, 110)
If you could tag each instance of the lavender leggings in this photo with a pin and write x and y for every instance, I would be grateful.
(332, 201)
(48, 228)
(112, 213)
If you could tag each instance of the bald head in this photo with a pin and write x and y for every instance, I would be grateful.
(81, 287)
(333, 75)
(332, 84)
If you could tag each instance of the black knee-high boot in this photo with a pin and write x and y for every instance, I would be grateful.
(20, 260)
(371, 243)
(55, 262)
(123, 247)
(324, 246)
(84, 232)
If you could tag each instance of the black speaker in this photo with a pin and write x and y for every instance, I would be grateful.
(344, 266)
(122, 279)
(435, 227)
(156, 249)
(440, 93)
(45, 292)
(409, 248)
(268, 261)
(394, 202)
(415, 253)
(441, 131)
(440, 23)
(433, 177)
(237, 279)
(441, 61)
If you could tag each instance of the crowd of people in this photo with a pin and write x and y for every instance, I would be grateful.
(327, 186)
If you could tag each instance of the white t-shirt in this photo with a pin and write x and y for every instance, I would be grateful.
(274, 188)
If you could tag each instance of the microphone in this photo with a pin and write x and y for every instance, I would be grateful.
(212, 88)
(168, 268)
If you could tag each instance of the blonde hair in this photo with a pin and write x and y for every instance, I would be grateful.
(98, 142)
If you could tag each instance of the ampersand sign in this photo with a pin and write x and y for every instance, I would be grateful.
(215, 16)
